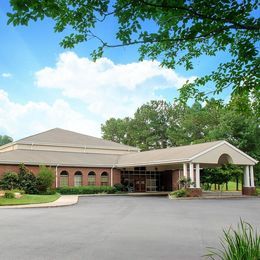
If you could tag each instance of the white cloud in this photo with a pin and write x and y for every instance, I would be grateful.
(20, 120)
(108, 89)
(6, 75)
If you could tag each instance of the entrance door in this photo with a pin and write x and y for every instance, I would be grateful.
(139, 182)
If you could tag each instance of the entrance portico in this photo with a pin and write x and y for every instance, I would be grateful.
(144, 175)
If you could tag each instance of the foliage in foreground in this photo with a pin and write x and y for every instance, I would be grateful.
(243, 243)
(86, 190)
(176, 32)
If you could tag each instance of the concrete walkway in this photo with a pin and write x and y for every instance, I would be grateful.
(62, 201)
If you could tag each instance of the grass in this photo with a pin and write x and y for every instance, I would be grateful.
(29, 199)
(242, 243)
(231, 186)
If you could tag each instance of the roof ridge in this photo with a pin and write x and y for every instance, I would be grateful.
(25, 139)
(37, 134)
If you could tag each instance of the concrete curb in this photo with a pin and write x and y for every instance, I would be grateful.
(215, 198)
(62, 201)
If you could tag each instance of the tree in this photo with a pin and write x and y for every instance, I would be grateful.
(45, 178)
(116, 130)
(27, 180)
(5, 139)
(177, 32)
(147, 129)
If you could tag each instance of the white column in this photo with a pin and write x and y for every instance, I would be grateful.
(246, 176)
(192, 174)
(111, 177)
(185, 170)
(197, 175)
(252, 176)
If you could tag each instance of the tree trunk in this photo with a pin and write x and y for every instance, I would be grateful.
(237, 183)
(226, 185)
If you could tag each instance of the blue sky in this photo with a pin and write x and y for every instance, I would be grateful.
(43, 86)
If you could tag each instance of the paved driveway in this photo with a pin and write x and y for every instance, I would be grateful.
(121, 228)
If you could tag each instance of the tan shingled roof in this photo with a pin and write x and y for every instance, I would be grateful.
(58, 136)
(34, 157)
(174, 154)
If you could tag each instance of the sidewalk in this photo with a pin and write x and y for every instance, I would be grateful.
(64, 200)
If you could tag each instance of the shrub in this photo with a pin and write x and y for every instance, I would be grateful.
(119, 187)
(179, 193)
(243, 243)
(45, 179)
(9, 194)
(27, 180)
(9, 181)
(86, 190)
(185, 182)
(18, 190)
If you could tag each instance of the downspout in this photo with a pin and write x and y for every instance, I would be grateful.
(56, 175)
(111, 176)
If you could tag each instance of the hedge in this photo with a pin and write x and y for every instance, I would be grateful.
(86, 190)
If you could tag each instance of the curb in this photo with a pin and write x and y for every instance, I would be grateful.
(215, 198)
(43, 205)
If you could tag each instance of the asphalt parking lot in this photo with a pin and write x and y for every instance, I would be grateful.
(121, 228)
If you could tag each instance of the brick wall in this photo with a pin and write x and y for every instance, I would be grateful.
(71, 172)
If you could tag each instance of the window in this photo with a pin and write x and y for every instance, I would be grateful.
(104, 179)
(64, 179)
(78, 179)
(91, 179)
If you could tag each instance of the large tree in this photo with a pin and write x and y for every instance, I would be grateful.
(5, 139)
(175, 32)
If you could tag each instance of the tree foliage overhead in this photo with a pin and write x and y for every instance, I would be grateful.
(175, 32)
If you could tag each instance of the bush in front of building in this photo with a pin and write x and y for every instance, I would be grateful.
(86, 190)
(27, 180)
(9, 181)
(120, 187)
(179, 193)
(9, 194)
(45, 179)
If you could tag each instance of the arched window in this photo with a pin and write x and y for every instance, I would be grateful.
(225, 159)
(78, 179)
(104, 179)
(64, 179)
(91, 179)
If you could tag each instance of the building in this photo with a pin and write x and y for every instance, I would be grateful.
(79, 159)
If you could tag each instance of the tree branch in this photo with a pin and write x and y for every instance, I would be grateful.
(203, 16)
(187, 38)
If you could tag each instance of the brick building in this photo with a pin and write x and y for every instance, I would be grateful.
(79, 159)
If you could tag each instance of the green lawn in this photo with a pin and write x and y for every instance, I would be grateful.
(231, 186)
(29, 199)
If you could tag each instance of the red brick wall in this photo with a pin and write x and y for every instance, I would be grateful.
(71, 171)
(175, 179)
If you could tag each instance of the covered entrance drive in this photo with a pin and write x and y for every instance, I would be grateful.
(161, 170)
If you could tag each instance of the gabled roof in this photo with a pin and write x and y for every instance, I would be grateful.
(61, 137)
(53, 158)
(171, 155)
(187, 153)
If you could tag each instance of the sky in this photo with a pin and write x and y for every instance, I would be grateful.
(43, 86)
